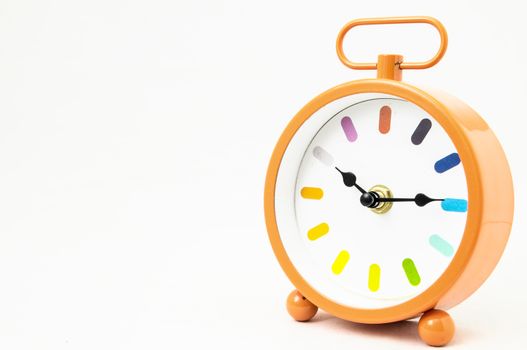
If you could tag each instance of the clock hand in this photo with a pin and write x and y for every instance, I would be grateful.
(350, 180)
(372, 199)
(420, 199)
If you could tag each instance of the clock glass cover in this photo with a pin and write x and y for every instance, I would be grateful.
(371, 200)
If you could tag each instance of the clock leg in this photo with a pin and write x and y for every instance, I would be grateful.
(299, 307)
(436, 327)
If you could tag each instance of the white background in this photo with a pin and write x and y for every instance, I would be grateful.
(134, 140)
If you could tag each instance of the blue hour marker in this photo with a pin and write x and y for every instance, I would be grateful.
(447, 163)
(452, 204)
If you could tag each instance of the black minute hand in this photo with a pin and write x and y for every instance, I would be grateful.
(350, 180)
(420, 199)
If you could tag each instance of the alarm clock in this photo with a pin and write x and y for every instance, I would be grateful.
(385, 201)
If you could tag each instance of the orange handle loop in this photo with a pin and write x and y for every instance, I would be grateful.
(393, 20)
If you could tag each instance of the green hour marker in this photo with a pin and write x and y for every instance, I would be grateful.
(411, 272)
(374, 278)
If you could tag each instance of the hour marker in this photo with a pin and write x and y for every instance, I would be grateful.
(318, 231)
(411, 272)
(323, 156)
(452, 204)
(374, 277)
(385, 118)
(340, 262)
(441, 245)
(311, 192)
(349, 129)
(421, 131)
(447, 163)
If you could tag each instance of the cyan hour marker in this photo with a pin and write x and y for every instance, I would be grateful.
(447, 163)
(441, 245)
(453, 204)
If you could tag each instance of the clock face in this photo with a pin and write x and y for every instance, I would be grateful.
(371, 254)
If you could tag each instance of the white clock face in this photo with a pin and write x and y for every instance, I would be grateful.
(343, 249)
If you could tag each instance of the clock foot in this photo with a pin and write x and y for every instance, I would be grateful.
(436, 327)
(299, 307)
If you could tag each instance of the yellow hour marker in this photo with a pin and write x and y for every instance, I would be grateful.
(340, 262)
(374, 278)
(311, 192)
(318, 231)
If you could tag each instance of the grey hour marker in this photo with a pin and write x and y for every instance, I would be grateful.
(323, 156)
(421, 131)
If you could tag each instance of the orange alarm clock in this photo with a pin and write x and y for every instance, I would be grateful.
(385, 201)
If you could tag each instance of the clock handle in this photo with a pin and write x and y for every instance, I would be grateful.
(392, 59)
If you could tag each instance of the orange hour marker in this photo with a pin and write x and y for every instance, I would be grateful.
(311, 192)
(385, 118)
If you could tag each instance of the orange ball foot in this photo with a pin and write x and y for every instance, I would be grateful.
(300, 308)
(436, 328)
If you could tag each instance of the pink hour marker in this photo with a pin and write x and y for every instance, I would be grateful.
(349, 129)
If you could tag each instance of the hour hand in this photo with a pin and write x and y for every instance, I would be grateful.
(350, 180)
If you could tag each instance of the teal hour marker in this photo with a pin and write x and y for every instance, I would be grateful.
(441, 245)
(411, 272)
(456, 205)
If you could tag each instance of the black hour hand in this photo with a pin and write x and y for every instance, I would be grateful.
(350, 180)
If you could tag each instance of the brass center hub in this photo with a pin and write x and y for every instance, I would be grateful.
(383, 192)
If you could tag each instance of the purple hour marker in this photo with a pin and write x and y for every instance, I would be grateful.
(349, 129)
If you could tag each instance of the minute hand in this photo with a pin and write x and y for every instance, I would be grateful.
(420, 199)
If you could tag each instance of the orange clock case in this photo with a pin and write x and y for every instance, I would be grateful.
(490, 194)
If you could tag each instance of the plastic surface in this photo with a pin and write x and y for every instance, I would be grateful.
(299, 307)
(393, 20)
(436, 328)
(490, 193)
